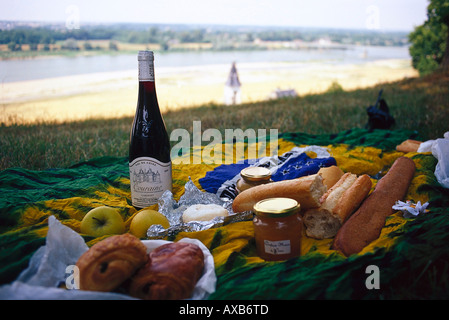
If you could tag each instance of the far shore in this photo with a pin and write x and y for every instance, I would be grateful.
(110, 95)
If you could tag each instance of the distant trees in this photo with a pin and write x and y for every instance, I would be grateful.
(70, 44)
(13, 46)
(43, 35)
(220, 38)
(430, 42)
(113, 46)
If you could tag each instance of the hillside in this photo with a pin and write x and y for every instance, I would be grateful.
(419, 104)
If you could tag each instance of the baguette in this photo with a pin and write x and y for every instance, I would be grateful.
(337, 204)
(330, 175)
(365, 225)
(306, 190)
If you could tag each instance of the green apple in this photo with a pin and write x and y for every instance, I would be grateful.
(102, 221)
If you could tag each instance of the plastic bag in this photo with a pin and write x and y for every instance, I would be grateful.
(48, 269)
(440, 150)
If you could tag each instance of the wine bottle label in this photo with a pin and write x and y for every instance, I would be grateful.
(149, 179)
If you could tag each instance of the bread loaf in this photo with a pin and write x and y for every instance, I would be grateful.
(408, 145)
(330, 175)
(337, 204)
(306, 190)
(365, 225)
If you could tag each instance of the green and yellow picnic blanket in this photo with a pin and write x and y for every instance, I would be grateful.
(411, 254)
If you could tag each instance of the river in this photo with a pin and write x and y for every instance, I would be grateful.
(42, 68)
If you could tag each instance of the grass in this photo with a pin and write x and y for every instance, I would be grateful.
(420, 104)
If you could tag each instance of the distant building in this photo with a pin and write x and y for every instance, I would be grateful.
(278, 93)
(232, 87)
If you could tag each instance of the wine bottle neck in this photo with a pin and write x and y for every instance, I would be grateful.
(146, 66)
(146, 71)
(147, 87)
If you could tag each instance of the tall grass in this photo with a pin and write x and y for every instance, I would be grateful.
(420, 104)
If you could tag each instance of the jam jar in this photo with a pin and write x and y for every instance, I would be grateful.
(253, 176)
(277, 228)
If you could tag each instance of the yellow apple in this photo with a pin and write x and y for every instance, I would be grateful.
(102, 221)
(145, 219)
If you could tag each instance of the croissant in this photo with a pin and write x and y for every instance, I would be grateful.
(171, 273)
(108, 263)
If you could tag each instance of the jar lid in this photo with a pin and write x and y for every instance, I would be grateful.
(256, 173)
(276, 207)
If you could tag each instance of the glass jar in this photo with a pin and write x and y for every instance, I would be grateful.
(253, 176)
(277, 228)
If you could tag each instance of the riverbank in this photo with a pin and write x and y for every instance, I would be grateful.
(114, 94)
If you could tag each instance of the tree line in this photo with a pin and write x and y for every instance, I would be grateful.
(429, 43)
(163, 35)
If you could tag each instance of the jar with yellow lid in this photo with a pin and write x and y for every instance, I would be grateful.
(253, 176)
(277, 228)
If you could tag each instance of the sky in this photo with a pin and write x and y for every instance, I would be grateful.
(382, 15)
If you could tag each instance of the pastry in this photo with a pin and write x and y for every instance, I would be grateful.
(108, 263)
(171, 273)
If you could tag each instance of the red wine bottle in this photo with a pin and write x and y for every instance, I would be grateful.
(149, 148)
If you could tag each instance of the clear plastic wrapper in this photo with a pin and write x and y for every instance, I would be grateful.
(173, 211)
(440, 150)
